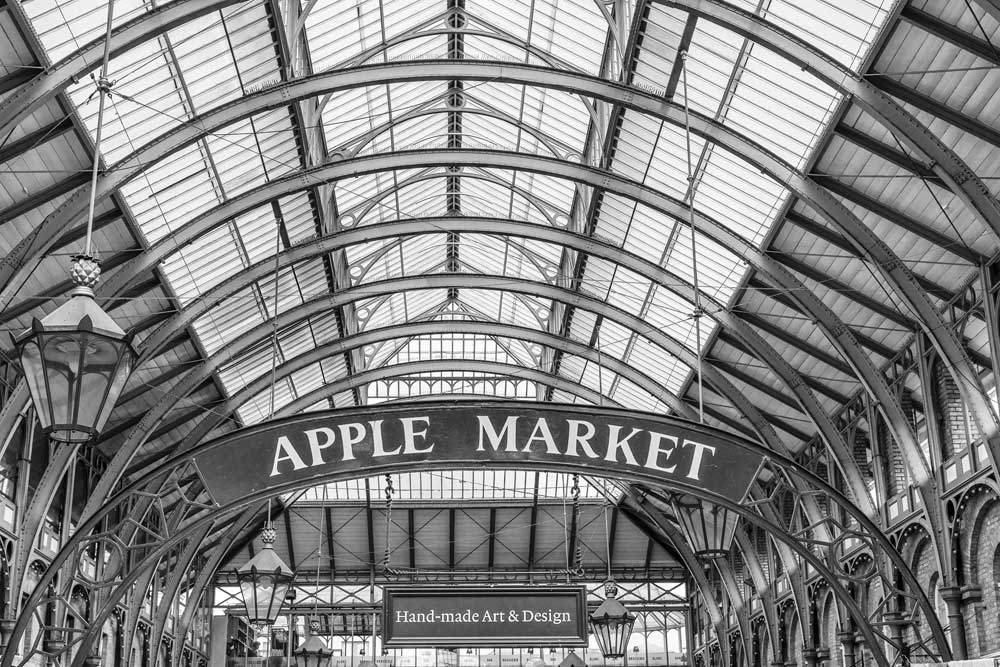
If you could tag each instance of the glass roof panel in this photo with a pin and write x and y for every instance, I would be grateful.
(780, 107)
(738, 195)
(220, 56)
(572, 30)
(843, 29)
(63, 26)
(512, 18)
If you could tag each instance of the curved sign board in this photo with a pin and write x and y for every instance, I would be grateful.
(292, 452)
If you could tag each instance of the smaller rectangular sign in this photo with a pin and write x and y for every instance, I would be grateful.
(485, 616)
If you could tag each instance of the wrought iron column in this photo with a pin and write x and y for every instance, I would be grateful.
(952, 596)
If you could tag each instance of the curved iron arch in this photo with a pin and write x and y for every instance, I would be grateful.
(209, 514)
(836, 332)
(894, 271)
(842, 339)
(959, 177)
(656, 274)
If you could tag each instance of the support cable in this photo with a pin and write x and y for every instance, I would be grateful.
(274, 328)
(103, 92)
(698, 310)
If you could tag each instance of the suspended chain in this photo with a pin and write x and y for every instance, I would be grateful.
(577, 549)
(388, 524)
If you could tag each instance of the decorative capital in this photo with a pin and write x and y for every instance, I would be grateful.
(846, 637)
(951, 594)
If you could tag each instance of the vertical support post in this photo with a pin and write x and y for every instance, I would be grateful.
(952, 596)
(847, 644)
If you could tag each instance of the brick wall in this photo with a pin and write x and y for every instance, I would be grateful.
(952, 425)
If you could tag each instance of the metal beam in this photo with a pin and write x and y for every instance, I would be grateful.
(819, 386)
(451, 538)
(612, 535)
(59, 76)
(839, 287)
(330, 542)
(533, 527)
(880, 256)
(782, 297)
(437, 366)
(490, 558)
(543, 290)
(947, 164)
(899, 219)
(960, 178)
(368, 233)
(888, 153)
(682, 47)
(950, 33)
(756, 384)
(785, 336)
(47, 194)
(370, 522)
(992, 7)
(973, 126)
(288, 537)
(411, 536)
(30, 140)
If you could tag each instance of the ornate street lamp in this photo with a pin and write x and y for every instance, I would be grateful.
(709, 528)
(264, 581)
(313, 651)
(76, 360)
(612, 624)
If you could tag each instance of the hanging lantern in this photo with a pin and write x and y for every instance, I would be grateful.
(76, 361)
(572, 660)
(611, 624)
(709, 528)
(264, 581)
(313, 651)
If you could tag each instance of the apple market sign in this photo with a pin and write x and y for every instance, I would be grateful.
(485, 616)
(306, 449)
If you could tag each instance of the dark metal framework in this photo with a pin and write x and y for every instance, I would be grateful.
(140, 528)
(164, 526)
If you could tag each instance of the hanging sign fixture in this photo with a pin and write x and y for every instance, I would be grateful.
(308, 448)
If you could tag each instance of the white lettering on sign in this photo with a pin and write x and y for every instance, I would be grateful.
(404, 437)
(550, 616)
(508, 432)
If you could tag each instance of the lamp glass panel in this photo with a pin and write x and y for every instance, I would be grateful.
(118, 380)
(97, 376)
(61, 356)
(34, 375)
(263, 594)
